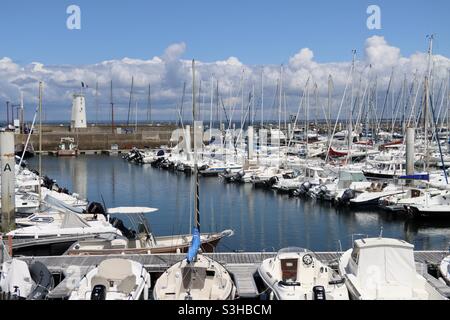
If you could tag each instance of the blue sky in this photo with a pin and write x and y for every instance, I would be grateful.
(258, 32)
(228, 38)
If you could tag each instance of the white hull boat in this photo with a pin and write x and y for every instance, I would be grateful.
(114, 279)
(296, 274)
(384, 269)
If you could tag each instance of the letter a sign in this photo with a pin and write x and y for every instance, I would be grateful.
(7, 168)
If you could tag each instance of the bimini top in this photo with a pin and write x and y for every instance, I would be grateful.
(382, 242)
(131, 210)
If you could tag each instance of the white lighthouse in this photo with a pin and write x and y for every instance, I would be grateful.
(78, 112)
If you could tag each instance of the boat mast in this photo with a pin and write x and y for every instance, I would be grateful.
(40, 141)
(149, 104)
(136, 119)
(262, 98)
(96, 102)
(279, 113)
(211, 108)
(427, 97)
(330, 88)
(197, 184)
(131, 100)
(307, 122)
(350, 116)
(448, 111)
(112, 108)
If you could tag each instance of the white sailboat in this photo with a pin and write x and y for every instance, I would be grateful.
(197, 277)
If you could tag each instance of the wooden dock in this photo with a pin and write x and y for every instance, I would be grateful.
(242, 266)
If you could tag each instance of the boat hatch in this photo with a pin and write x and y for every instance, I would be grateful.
(194, 278)
(289, 270)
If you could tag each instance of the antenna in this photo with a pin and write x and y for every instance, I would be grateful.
(149, 104)
(131, 100)
(112, 108)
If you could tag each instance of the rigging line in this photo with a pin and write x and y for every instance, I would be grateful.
(437, 140)
(396, 110)
(131, 100)
(339, 113)
(413, 114)
(302, 100)
(180, 109)
(385, 100)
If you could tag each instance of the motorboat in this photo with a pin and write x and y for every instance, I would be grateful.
(444, 269)
(297, 274)
(18, 281)
(70, 225)
(437, 207)
(384, 269)
(412, 196)
(373, 194)
(67, 147)
(114, 279)
(142, 240)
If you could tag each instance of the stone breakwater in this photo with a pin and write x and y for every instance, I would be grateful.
(100, 137)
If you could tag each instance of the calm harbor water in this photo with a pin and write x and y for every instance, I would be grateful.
(261, 219)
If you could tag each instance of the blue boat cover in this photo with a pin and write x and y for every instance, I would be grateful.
(195, 245)
(425, 177)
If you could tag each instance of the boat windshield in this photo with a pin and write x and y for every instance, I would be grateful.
(294, 250)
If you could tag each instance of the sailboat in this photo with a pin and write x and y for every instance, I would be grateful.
(197, 277)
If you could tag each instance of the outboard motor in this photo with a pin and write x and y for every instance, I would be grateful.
(43, 279)
(319, 293)
(48, 183)
(323, 190)
(118, 224)
(272, 181)
(347, 196)
(304, 188)
(96, 208)
(98, 293)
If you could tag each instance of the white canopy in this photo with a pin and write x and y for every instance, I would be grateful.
(131, 210)
(385, 261)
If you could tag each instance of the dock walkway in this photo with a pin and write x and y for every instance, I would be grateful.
(241, 265)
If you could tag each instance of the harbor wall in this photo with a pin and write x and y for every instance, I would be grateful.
(100, 137)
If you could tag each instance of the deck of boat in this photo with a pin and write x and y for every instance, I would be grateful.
(242, 265)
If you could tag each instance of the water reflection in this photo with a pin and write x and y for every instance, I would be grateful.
(261, 219)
